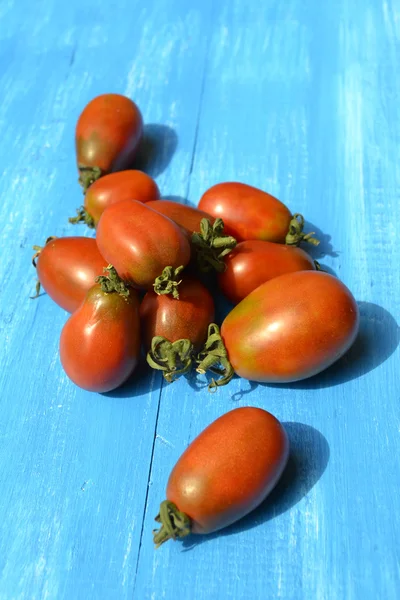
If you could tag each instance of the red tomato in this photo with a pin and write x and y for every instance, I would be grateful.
(139, 242)
(108, 133)
(249, 213)
(254, 262)
(67, 268)
(225, 473)
(186, 216)
(291, 327)
(124, 185)
(100, 342)
(187, 319)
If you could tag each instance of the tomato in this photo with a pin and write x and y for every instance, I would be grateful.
(100, 342)
(139, 242)
(289, 328)
(249, 213)
(173, 330)
(254, 262)
(67, 268)
(124, 185)
(225, 473)
(107, 136)
(187, 217)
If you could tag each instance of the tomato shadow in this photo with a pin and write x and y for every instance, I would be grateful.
(143, 380)
(308, 459)
(378, 338)
(156, 149)
(324, 247)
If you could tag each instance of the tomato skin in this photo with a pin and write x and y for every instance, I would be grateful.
(248, 213)
(100, 342)
(115, 187)
(186, 216)
(139, 242)
(254, 262)
(187, 318)
(108, 133)
(67, 268)
(291, 327)
(229, 469)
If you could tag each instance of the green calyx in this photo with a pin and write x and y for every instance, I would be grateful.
(211, 245)
(295, 234)
(88, 175)
(174, 524)
(38, 250)
(82, 216)
(214, 353)
(168, 282)
(172, 358)
(112, 282)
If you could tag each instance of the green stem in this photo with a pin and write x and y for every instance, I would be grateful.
(173, 358)
(167, 282)
(88, 175)
(112, 282)
(214, 353)
(82, 216)
(211, 245)
(295, 234)
(174, 524)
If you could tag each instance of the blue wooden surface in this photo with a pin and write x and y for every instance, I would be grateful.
(300, 98)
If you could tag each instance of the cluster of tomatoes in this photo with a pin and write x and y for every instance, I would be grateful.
(148, 281)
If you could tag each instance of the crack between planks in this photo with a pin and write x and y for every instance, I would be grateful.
(148, 486)
(202, 89)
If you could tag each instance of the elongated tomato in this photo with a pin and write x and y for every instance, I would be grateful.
(254, 262)
(139, 242)
(187, 217)
(112, 188)
(226, 472)
(67, 268)
(249, 213)
(108, 133)
(291, 327)
(100, 342)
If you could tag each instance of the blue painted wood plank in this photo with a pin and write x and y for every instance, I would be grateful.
(74, 466)
(300, 99)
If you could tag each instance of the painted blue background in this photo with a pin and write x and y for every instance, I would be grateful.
(300, 98)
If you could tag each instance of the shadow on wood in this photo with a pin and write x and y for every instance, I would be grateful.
(324, 248)
(156, 150)
(308, 459)
(143, 380)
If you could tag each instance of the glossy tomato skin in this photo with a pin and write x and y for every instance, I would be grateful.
(254, 262)
(115, 187)
(186, 216)
(108, 133)
(100, 342)
(291, 327)
(187, 318)
(139, 242)
(248, 213)
(229, 469)
(67, 268)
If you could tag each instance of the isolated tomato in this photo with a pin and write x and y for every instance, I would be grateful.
(249, 213)
(67, 268)
(140, 242)
(108, 133)
(100, 342)
(187, 217)
(124, 185)
(291, 327)
(254, 262)
(225, 473)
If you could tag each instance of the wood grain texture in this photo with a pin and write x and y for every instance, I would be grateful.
(299, 98)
